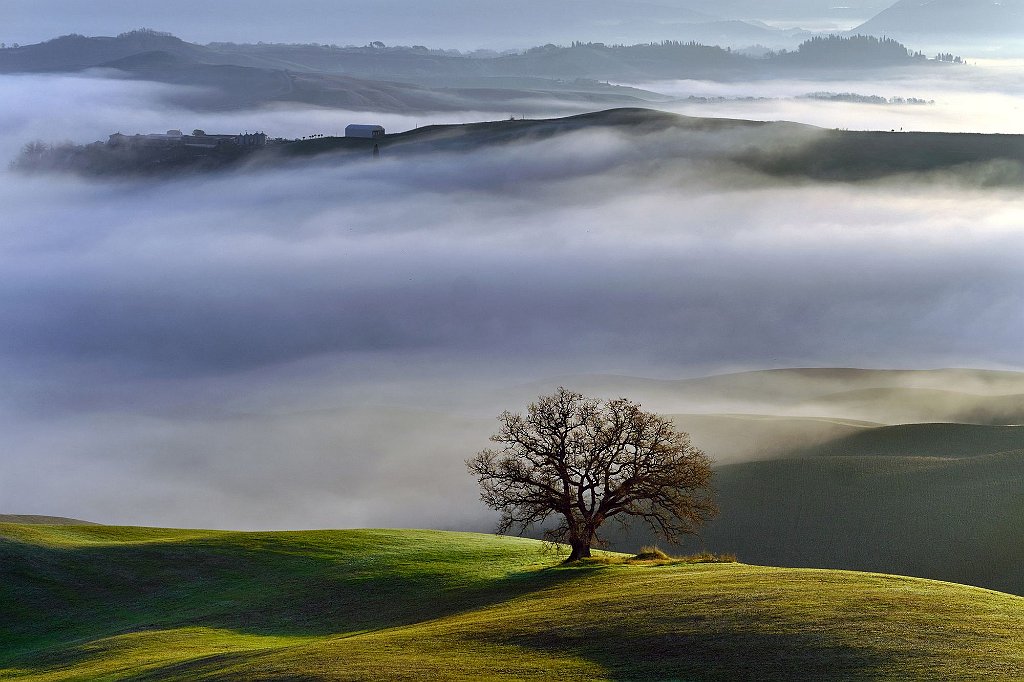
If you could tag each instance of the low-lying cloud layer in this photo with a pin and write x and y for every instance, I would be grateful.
(986, 96)
(323, 346)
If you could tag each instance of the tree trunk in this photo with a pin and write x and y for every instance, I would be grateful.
(580, 550)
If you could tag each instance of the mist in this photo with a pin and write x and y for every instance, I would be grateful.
(986, 96)
(323, 346)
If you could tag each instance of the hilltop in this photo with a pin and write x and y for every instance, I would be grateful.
(43, 520)
(98, 601)
(376, 77)
(665, 59)
(948, 18)
(779, 149)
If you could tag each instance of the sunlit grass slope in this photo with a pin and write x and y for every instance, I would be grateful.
(95, 602)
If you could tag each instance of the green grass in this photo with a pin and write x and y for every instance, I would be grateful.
(949, 518)
(942, 501)
(95, 602)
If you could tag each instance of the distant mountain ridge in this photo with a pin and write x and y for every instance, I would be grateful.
(948, 18)
(75, 52)
(668, 59)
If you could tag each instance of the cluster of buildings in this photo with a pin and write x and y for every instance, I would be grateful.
(198, 138)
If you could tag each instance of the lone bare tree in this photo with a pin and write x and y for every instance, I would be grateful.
(583, 461)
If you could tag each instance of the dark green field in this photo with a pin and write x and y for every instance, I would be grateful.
(98, 602)
(944, 501)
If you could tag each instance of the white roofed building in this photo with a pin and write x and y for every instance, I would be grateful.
(360, 130)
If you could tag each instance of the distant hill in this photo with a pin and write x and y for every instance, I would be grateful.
(846, 52)
(419, 65)
(731, 438)
(75, 52)
(738, 438)
(924, 440)
(102, 602)
(44, 520)
(896, 405)
(795, 391)
(936, 500)
(909, 18)
(957, 519)
(804, 152)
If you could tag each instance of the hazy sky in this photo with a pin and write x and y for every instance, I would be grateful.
(324, 346)
(437, 23)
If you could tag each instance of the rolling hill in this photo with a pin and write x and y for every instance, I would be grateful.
(924, 440)
(828, 392)
(951, 518)
(104, 602)
(548, 67)
(43, 520)
(896, 405)
(748, 437)
(232, 76)
(942, 501)
(787, 151)
(938, 500)
(948, 18)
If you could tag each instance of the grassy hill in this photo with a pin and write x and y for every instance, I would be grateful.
(951, 518)
(97, 602)
(804, 152)
(46, 520)
(939, 500)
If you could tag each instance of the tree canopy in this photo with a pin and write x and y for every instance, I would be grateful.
(583, 460)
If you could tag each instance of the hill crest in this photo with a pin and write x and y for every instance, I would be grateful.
(94, 602)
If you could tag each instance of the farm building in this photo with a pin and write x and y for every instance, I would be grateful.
(358, 130)
(198, 138)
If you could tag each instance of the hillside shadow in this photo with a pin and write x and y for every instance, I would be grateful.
(724, 654)
(67, 598)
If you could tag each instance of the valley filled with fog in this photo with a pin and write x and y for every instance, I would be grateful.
(348, 340)
(986, 96)
(323, 346)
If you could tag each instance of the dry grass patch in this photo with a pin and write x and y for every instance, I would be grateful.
(655, 556)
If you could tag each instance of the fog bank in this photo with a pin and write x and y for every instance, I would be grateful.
(324, 346)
